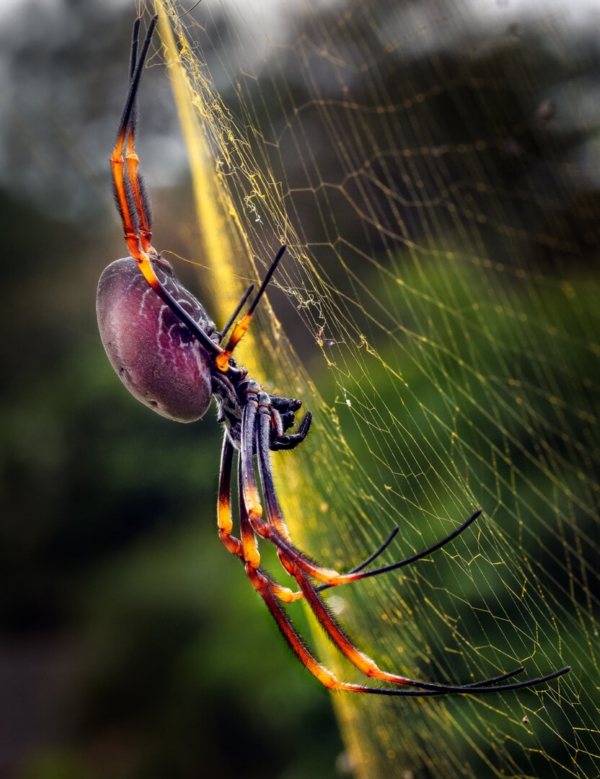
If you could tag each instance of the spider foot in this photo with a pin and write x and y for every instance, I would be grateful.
(294, 439)
(357, 574)
(284, 404)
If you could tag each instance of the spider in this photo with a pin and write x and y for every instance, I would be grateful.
(170, 355)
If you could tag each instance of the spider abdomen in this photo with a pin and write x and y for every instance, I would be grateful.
(154, 354)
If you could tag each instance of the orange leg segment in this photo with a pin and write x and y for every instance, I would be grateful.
(117, 163)
(222, 361)
(130, 193)
(225, 524)
(261, 585)
(251, 554)
(224, 520)
(340, 638)
(132, 160)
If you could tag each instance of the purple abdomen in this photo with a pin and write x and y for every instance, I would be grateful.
(156, 357)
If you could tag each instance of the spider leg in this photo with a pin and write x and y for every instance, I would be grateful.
(380, 550)
(363, 662)
(276, 516)
(241, 327)
(138, 190)
(250, 554)
(264, 445)
(124, 193)
(276, 423)
(236, 311)
(224, 521)
(501, 678)
(275, 530)
(263, 586)
(117, 160)
(294, 439)
(368, 666)
(408, 560)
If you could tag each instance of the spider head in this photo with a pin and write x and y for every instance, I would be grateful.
(154, 354)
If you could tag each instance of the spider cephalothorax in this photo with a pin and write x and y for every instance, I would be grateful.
(169, 354)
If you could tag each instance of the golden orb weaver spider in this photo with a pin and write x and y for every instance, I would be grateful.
(168, 353)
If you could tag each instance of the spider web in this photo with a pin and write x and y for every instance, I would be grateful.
(428, 179)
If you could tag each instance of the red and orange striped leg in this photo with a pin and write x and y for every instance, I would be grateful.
(339, 637)
(330, 577)
(225, 523)
(250, 553)
(284, 594)
(274, 514)
(262, 586)
(117, 163)
(248, 489)
(140, 200)
(251, 497)
(125, 195)
(132, 161)
(242, 326)
(224, 520)
(251, 510)
(281, 593)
